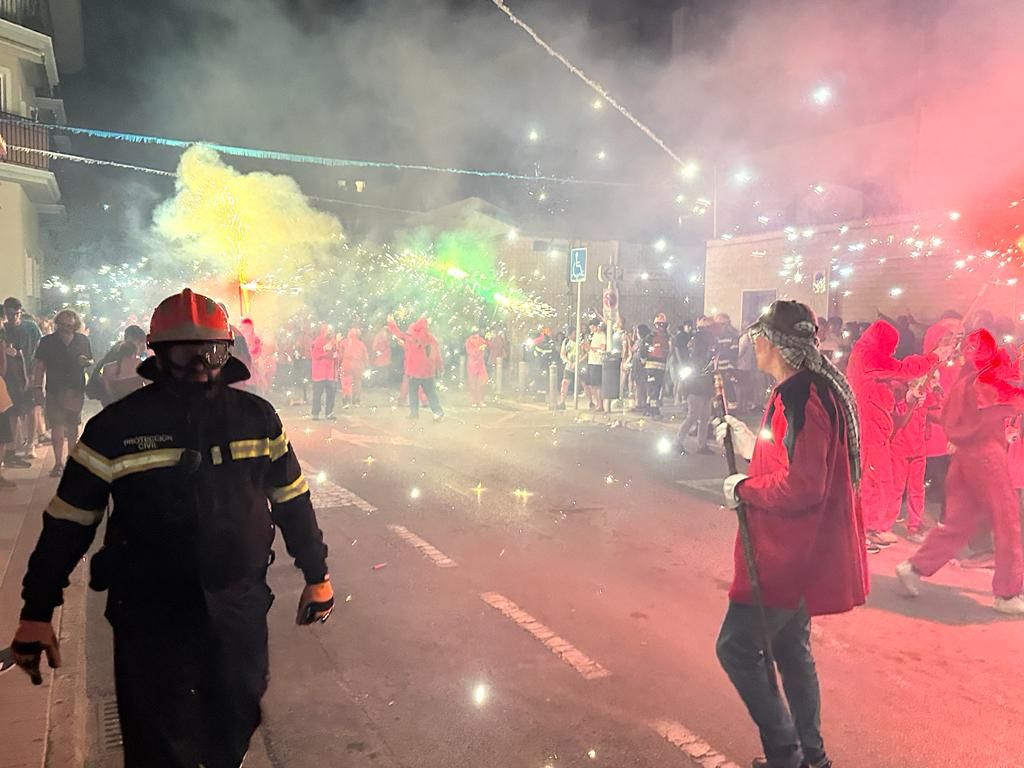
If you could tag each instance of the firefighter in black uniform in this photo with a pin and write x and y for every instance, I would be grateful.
(654, 351)
(201, 475)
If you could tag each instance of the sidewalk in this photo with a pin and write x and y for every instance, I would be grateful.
(24, 708)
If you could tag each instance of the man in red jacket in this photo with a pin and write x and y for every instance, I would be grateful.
(807, 536)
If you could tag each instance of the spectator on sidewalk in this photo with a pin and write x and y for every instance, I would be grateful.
(58, 380)
(568, 354)
(595, 349)
(6, 407)
(700, 389)
(134, 336)
(681, 367)
(22, 339)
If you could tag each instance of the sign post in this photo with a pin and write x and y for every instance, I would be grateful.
(578, 275)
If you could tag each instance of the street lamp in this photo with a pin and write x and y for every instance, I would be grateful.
(534, 136)
(822, 95)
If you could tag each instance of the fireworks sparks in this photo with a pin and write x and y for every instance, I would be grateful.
(522, 494)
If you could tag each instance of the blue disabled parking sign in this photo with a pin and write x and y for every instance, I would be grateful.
(578, 265)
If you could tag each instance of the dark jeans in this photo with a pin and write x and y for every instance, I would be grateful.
(430, 390)
(655, 381)
(320, 389)
(936, 469)
(698, 411)
(789, 735)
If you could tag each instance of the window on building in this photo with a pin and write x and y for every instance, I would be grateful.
(3, 91)
(755, 303)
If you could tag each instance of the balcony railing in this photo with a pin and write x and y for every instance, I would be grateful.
(34, 14)
(21, 135)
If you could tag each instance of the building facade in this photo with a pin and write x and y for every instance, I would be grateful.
(30, 197)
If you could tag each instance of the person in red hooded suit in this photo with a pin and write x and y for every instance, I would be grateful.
(476, 367)
(354, 359)
(978, 487)
(871, 372)
(423, 363)
(942, 334)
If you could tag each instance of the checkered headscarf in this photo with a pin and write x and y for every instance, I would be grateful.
(790, 327)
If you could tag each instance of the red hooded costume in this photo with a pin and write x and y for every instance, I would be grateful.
(382, 349)
(323, 356)
(422, 352)
(943, 332)
(354, 359)
(476, 356)
(978, 486)
(807, 535)
(870, 372)
(476, 367)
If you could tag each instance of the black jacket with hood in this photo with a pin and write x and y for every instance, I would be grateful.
(200, 477)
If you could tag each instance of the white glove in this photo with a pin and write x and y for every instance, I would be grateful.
(729, 489)
(743, 439)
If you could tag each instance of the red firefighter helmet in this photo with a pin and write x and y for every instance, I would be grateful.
(188, 316)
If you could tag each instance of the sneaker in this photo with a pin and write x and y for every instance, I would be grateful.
(878, 540)
(916, 537)
(909, 578)
(438, 417)
(887, 538)
(57, 471)
(1012, 606)
(15, 462)
(979, 562)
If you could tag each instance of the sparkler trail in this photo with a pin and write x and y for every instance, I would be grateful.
(332, 162)
(594, 86)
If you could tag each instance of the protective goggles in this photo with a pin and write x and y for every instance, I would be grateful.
(212, 354)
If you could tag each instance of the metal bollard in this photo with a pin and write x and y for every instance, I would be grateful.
(462, 371)
(524, 373)
(499, 377)
(553, 386)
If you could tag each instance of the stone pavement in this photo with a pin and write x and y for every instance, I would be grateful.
(24, 709)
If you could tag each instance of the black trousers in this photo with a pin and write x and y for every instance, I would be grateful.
(655, 381)
(188, 691)
(322, 389)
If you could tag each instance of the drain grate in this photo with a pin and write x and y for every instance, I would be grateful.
(110, 725)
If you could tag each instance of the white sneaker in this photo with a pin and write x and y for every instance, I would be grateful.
(1013, 606)
(910, 579)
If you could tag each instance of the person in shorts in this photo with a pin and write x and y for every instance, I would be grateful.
(61, 360)
(595, 355)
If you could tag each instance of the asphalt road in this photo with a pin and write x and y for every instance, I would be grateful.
(516, 590)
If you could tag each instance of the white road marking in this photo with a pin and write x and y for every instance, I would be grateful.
(587, 667)
(327, 494)
(693, 745)
(364, 441)
(456, 489)
(441, 560)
